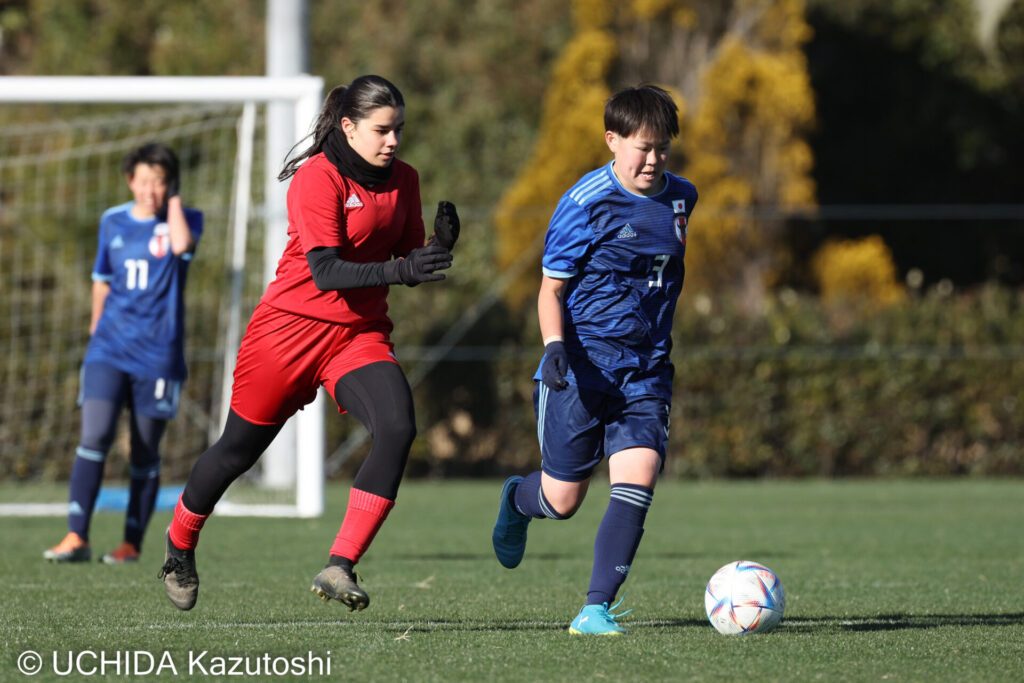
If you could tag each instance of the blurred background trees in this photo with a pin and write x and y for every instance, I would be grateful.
(857, 151)
(916, 107)
(785, 104)
(741, 82)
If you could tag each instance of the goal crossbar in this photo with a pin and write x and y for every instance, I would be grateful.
(124, 89)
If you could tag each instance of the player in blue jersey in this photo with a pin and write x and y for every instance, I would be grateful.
(136, 354)
(612, 273)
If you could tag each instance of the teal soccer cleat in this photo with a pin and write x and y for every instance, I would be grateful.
(598, 620)
(509, 536)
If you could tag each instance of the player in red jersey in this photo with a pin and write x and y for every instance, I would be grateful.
(355, 227)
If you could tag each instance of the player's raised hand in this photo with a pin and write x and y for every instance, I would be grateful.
(422, 264)
(446, 226)
(555, 365)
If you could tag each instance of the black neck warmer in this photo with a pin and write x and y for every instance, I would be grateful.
(350, 164)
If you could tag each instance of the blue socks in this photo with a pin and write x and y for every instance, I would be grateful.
(86, 475)
(529, 499)
(86, 478)
(618, 537)
(99, 421)
(145, 485)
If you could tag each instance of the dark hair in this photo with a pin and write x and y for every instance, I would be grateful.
(153, 154)
(355, 101)
(645, 108)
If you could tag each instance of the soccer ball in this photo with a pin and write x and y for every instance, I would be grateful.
(744, 597)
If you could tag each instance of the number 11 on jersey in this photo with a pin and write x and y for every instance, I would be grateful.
(138, 273)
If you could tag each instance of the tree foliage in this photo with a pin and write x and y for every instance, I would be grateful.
(570, 139)
(472, 75)
(783, 102)
(913, 109)
(857, 270)
(740, 78)
(903, 104)
(132, 38)
(746, 145)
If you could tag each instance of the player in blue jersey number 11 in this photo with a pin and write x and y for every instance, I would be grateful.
(612, 273)
(135, 355)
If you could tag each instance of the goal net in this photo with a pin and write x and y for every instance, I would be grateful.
(61, 145)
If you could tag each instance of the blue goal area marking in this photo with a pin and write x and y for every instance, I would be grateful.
(115, 498)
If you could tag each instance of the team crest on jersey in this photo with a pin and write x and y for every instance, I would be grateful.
(353, 202)
(681, 228)
(160, 242)
(679, 209)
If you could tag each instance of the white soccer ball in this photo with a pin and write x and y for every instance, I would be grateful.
(744, 597)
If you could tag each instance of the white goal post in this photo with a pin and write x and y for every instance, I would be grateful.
(293, 103)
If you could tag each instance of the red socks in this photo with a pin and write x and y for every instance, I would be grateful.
(184, 529)
(363, 518)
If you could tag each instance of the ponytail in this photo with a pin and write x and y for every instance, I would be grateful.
(329, 117)
(354, 101)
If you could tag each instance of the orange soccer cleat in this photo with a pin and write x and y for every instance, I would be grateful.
(72, 549)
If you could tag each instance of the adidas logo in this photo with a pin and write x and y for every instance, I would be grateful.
(117, 242)
(353, 202)
(626, 232)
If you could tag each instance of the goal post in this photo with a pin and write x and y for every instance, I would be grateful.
(301, 445)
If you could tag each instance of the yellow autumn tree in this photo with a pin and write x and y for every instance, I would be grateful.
(857, 270)
(569, 143)
(746, 151)
(738, 73)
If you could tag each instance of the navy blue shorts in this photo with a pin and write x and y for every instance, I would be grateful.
(156, 398)
(577, 428)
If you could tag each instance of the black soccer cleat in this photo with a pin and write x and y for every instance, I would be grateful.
(181, 581)
(337, 583)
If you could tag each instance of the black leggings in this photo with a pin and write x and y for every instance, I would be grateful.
(377, 395)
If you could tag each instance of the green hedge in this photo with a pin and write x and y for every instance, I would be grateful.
(786, 387)
(781, 388)
(931, 386)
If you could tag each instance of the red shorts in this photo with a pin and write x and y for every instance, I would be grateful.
(284, 358)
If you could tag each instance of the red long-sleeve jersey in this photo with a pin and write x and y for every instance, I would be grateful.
(326, 209)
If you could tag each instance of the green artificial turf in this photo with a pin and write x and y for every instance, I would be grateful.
(906, 580)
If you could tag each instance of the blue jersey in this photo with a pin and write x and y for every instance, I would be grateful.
(622, 256)
(142, 328)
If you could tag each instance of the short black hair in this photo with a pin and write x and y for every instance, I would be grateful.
(153, 154)
(643, 108)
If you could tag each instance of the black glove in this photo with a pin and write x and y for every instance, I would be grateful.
(422, 262)
(554, 367)
(173, 187)
(446, 226)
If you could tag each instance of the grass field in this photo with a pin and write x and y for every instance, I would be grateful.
(890, 580)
